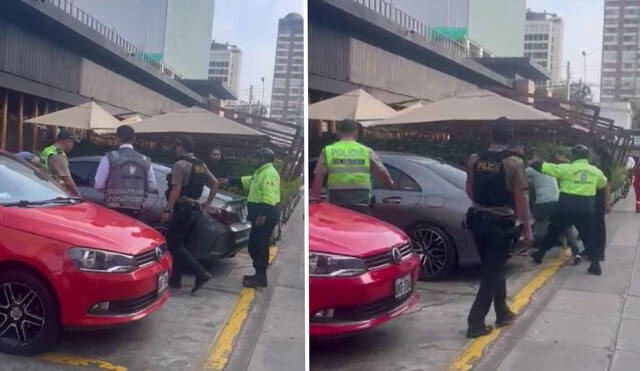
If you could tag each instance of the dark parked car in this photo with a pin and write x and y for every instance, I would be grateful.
(429, 204)
(221, 235)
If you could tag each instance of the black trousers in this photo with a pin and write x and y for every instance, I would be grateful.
(494, 237)
(600, 225)
(583, 219)
(260, 236)
(185, 217)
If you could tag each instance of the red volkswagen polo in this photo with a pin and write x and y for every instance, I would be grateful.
(65, 263)
(361, 271)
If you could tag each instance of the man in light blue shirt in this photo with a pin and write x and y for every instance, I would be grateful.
(547, 194)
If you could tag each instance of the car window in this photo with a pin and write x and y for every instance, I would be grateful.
(83, 172)
(20, 182)
(451, 174)
(403, 181)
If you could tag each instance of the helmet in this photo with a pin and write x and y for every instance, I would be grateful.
(266, 153)
(580, 151)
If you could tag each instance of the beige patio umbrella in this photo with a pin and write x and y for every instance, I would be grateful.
(87, 116)
(480, 105)
(194, 120)
(356, 105)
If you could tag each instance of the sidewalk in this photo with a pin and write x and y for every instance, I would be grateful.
(273, 338)
(589, 323)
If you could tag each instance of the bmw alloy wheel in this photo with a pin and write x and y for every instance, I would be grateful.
(435, 250)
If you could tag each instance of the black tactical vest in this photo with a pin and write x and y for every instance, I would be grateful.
(194, 188)
(490, 181)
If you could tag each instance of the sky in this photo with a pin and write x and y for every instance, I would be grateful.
(252, 25)
(582, 32)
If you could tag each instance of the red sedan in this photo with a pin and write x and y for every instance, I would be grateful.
(65, 263)
(361, 271)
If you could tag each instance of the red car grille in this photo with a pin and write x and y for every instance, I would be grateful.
(367, 311)
(149, 256)
(132, 305)
(384, 259)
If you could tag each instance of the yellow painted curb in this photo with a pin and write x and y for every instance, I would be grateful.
(218, 356)
(69, 360)
(475, 349)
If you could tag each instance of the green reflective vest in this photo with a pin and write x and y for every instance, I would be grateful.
(48, 152)
(578, 178)
(263, 185)
(348, 166)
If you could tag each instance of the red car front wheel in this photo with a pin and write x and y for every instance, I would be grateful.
(29, 314)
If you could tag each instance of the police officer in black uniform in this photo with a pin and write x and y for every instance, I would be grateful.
(497, 185)
(188, 178)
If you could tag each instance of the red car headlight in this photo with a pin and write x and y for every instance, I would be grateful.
(92, 260)
(331, 265)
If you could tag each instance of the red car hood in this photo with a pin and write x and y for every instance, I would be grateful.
(84, 224)
(336, 230)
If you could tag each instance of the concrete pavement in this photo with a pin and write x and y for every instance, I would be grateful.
(581, 322)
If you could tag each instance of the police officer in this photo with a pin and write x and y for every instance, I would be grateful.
(264, 195)
(125, 176)
(54, 160)
(347, 167)
(188, 178)
(578, 183)
(498, 187)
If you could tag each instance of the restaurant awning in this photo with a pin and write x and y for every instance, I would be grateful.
(356, 105)
(194, 120)
(87, 116)
(480, 105)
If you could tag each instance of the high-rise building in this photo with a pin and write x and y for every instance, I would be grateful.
(225, 64)
(287, 96)
(620, 48)
(544, 42)
(494, 25)
(175, 32)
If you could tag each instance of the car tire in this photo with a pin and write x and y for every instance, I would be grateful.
(208, 263)
(27, 304)
(436, 250)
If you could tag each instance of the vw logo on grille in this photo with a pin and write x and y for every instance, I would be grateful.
(158, 253)
(396, 256)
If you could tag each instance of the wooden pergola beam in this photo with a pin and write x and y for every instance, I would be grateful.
(20, 131)
(34, 126)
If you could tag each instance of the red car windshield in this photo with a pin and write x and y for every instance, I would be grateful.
(21, 182)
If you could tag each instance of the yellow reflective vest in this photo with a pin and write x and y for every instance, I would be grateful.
(578, 178)
(263, 185)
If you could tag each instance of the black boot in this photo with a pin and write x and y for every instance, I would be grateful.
(201, 279)
(595, 268)
(538, 256)
(505, 319)
(175, 281)
(476, 331)
(254, 281)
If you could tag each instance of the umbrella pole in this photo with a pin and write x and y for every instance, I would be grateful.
(20, 136)
(34, 126)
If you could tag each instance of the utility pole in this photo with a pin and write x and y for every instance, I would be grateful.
(250, 99)
(568, 81)
(584, 58)
(262, 101)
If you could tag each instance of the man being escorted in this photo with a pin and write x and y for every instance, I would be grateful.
(54, 159)
(126, 176)
(497, 185)
(188, 178)
(347, 166)
(264, 195)
(578, 182)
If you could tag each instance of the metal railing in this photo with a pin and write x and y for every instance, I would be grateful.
(129, 49)
(388, 10)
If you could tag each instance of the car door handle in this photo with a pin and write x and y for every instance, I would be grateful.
(392, 200)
